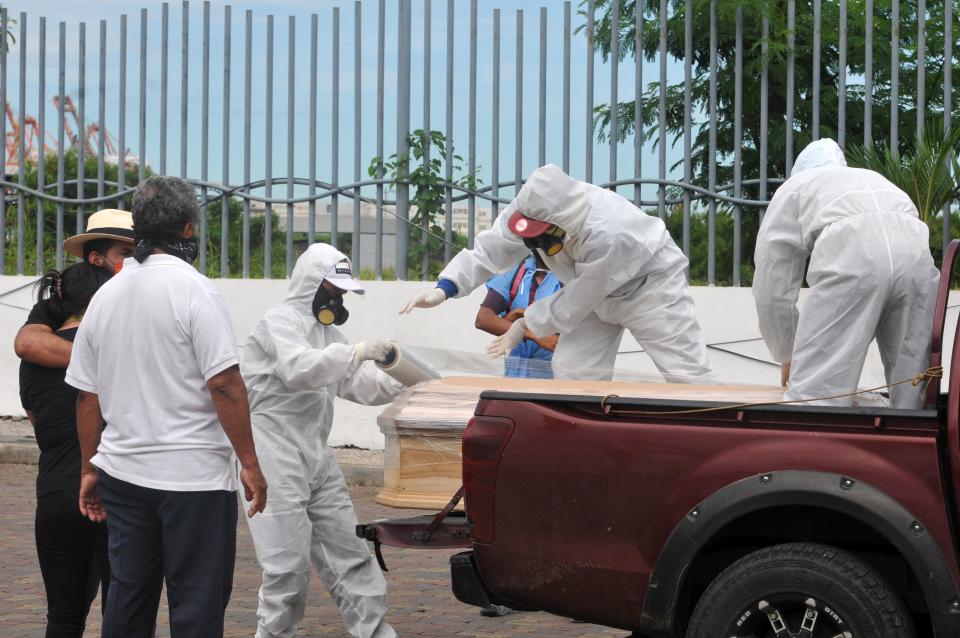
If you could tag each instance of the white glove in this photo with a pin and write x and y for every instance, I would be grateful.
(505, 343)
(425, 300)
(373, 350)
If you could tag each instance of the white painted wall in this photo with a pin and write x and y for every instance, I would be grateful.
(445, 336)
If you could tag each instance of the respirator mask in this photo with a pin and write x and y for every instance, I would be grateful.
(328, 308)
(549, 243)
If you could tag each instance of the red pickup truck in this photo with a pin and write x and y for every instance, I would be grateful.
(746, 522)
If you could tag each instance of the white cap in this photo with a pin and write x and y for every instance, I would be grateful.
(341, 276)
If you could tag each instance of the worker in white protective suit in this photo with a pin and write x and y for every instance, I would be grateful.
(871, 275)
(295, 362)
(619, 267)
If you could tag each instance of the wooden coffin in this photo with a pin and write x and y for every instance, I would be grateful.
(423, 427)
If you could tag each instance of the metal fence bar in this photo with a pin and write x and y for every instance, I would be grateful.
(3, 131)
(947, 101)
(22, 144)
(448, 132)
(381, 48)
(61, 84)
(565, 151)
(542, 154)
(357, 116)
(791, 86)
(764, 103)
(335, 126)
(588, 153)
(868, 75)
(424, 217)
(312, 141)
(268, 158)
(122, 119)
(205, 136)
(101, 112)
(737, 141)
(518, 127)
(81, 120)
(712, 167)
(164, 72)
(662, 112)
(495, 125)
(247, 106)
(817, 20)
(687, 125)
(894, 76)
(291, 120)
(638, 97)
(225, 167)
(614, 100)
(921, 61)
(142, 140)
(184, 86)
(41, 138)
(842, 78)
(403, 128)
(472, 124)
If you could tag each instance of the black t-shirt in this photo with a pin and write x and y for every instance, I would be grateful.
(40, 314)
(53, 403)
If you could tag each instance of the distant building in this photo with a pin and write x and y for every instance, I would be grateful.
(368, 225)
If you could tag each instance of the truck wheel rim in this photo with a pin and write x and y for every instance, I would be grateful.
(789, 616)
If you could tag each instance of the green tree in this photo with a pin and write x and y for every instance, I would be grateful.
(777, 59)
(111, 173)
(428, 183)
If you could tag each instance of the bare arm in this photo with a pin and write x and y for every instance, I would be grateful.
(489, 321)
(31, 418)
(233, 409)
(38, 344)
(89, 425)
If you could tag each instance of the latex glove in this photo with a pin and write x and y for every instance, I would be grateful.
(425, 300)
(373, 350)
(785, 373)
(505, 343)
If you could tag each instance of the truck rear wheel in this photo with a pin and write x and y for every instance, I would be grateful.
(800, 590)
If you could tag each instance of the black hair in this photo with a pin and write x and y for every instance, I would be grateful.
(68, 293)
(101, 246)
(162, 206)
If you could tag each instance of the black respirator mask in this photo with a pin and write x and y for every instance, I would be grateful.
(549, 243)
(328, 308)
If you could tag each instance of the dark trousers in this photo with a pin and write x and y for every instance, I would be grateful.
(72, 551)
(185, 538)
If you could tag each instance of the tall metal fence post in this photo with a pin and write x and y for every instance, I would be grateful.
(947, 102)
(225, 167)
(403, 128)
(662, 114)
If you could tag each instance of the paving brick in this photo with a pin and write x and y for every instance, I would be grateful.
(421, 603)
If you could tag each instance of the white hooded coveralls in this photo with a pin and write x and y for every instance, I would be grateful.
(294, 367)
(871, 275)
(619, 267)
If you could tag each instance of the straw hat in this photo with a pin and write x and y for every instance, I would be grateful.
(109, 223)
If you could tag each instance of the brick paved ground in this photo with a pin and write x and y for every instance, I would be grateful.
(421, 602)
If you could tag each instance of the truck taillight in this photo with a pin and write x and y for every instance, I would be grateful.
(483, 444)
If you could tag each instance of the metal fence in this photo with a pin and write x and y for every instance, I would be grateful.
(680, 189)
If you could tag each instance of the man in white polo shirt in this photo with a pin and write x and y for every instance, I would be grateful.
(156, 359)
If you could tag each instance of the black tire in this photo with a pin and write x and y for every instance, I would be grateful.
(787, 581)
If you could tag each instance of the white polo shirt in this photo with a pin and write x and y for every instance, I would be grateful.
(150, 340)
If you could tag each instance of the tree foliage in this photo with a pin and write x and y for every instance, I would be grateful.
(777, 59)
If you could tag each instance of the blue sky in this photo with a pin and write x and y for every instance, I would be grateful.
(74, 13)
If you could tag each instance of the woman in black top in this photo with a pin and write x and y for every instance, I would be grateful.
(72, 549)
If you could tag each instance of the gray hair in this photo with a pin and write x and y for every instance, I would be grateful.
(162, 206)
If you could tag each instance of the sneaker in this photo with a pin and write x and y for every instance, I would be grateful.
(494, 611)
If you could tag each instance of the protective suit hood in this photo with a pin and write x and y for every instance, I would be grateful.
(308, 274)
(820, 154)
(552, 196)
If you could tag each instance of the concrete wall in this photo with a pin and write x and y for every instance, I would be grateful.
(446, 337)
